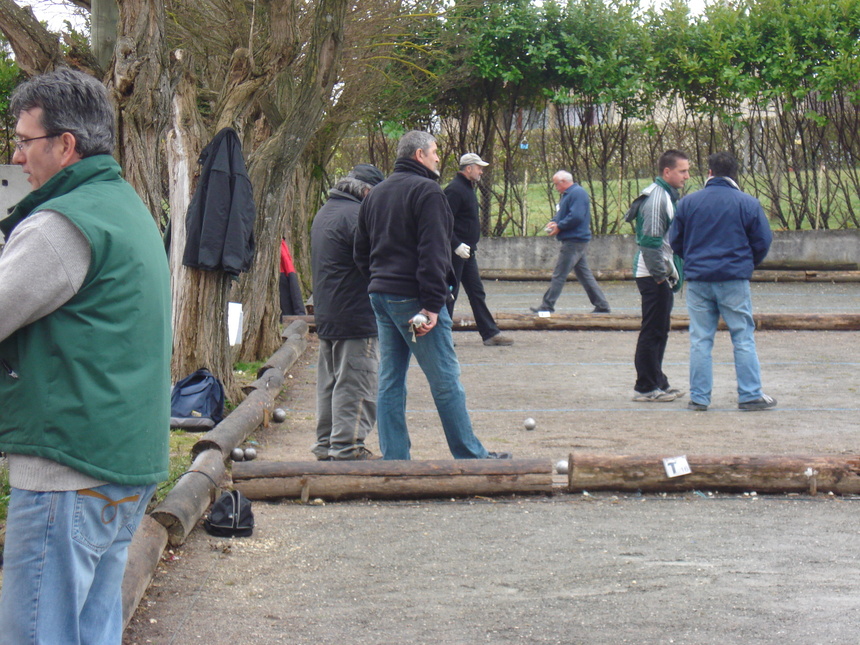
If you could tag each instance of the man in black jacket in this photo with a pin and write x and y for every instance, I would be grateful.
(346, 325)
(403, 246)
(464, 243)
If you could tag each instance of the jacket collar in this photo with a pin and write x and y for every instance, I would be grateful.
(334, 193)
(673, 192)
(722, 181)
(405, 164)
(95, 168)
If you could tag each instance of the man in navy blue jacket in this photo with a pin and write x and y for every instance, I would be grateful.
(572, 226)
(722, 234)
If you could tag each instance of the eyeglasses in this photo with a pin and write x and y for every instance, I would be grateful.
(20, 144)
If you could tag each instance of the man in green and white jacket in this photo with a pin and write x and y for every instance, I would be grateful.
(658, 275)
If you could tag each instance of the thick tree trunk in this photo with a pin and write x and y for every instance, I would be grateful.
(271, 169)
(199, 297)
(142, 92)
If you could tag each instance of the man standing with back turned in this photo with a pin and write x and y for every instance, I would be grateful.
(722, 234)
(572, 227)
(467, 231)
(85, 348)
(658, 275)
(403, 245)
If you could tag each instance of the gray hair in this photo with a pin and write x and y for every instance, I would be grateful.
(352, 186)
(73, 102)
(412, 142)
(563, 175)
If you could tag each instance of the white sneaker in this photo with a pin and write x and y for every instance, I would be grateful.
(654, 396)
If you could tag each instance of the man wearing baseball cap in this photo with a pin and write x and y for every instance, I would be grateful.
(464, 243)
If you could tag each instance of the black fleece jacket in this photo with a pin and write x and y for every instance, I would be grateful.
(464, 205)
(403, 240)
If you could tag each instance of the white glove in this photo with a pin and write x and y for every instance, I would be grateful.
(463, 251)
(673, 273)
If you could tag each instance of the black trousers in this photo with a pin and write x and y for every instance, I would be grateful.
(657, 301)
(290, 292)
(466, 274)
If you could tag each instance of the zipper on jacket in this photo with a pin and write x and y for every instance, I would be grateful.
(8, 369)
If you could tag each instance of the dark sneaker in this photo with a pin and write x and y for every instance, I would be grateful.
(764, 403)
(325, 458)
(697, 407)
(654, 396)
(499, 341)
(678, 393)
(359, 454)
(599, 310)
(499, 455)
(539, 311)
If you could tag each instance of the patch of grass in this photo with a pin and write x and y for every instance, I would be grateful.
(5, 489)
(180, 459)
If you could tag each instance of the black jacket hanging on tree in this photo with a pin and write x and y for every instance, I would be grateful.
(220, 221)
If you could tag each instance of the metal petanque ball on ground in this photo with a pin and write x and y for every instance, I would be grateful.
(561, 467)
(250, 454)
(237, 454)
(279, 415)
(530, 424)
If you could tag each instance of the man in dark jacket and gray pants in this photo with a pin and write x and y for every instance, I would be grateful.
(346, 325)
(722, 234)
(464, 244)
(403, 246)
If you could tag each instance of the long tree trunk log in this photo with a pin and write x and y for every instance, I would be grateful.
(192, 495)
(762, 474)
(632, 322)
(254, 411)
(144, 554)
(392, 479)
(834, 273)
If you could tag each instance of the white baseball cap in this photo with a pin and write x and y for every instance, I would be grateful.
(471, 158)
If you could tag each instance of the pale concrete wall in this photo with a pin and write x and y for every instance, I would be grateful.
(13, 188)
(801, 249)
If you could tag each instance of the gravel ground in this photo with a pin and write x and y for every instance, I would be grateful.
(600, 568)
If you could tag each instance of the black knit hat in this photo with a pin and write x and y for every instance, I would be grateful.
(367, 173)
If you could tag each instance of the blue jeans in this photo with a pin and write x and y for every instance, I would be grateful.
(571, 256)
(64, 562)
(435, 354)
(706, 302)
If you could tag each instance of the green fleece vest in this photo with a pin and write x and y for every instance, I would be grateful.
(88, 385)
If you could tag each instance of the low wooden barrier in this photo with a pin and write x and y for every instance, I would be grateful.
(378, 479)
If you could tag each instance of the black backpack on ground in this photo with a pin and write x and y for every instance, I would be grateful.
(197, 402)
(230, 516)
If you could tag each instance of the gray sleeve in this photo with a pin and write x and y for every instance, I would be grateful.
(43, 264)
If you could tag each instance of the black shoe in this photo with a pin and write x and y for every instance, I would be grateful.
(764, 403)
(499, 340)
(326, 458)
(598, 310)
(697, 407)
(539, 311)
(499, 455)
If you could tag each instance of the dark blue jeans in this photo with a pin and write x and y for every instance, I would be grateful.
(435, 354)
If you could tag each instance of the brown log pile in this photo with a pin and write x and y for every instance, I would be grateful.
(805, 474)
(378, 479)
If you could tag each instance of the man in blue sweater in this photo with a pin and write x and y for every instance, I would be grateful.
(572, 226)
(722, 234)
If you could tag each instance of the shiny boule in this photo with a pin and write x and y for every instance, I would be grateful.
(561, 467)
(529, 424)
(250, 454)
(419, 319)
(279, 415)
(237, 454)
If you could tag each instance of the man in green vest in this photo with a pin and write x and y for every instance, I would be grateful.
(85, 346)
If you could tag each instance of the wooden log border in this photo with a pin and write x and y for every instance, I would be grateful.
(183, 507)
(768, 474)
(378, 479)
